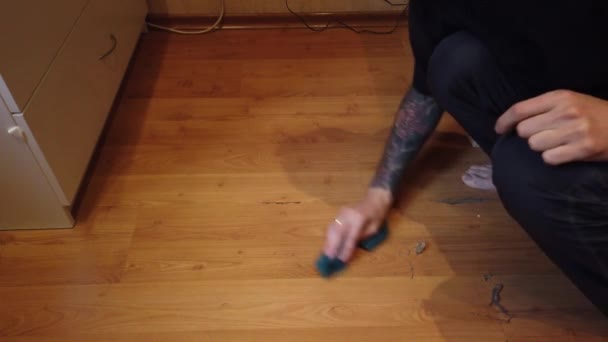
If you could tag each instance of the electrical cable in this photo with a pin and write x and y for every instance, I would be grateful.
(211, 28)
(346, 26)
(396, 4)
(327, 25)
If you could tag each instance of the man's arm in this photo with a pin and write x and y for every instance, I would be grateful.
(415, 120)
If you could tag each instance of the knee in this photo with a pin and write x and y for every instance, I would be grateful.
(453, 66)
(516, 174)
(507, 167)
(534, 193)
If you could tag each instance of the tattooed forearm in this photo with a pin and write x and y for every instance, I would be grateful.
(415, 120)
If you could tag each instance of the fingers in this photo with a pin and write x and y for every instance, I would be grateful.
(565, 126)
(334, 240)
(546, 140)
(523, 110)
(350, 242)
(563, 154)
(343, 234)
(370, 229)
(352, 233)
(539, 123)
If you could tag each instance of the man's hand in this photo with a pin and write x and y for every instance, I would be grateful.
(356, 223)
(565, 126)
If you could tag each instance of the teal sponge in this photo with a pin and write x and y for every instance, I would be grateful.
(327, 266)
(373, 241)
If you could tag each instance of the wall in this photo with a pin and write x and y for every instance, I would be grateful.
(210, 7)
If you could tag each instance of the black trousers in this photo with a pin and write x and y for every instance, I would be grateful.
(563, 208)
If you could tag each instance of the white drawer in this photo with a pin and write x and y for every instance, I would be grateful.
(68, 110)
(31, 34)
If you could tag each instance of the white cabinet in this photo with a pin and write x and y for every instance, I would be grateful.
(58, 95)
(27, 199)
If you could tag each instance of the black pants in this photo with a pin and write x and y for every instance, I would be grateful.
(564, 208)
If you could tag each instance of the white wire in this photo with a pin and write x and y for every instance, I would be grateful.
(194, 31)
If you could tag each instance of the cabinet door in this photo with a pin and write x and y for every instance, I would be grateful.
(32, 32)
(69, 109)
(27, 201)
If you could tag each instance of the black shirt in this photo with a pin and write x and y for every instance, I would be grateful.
(548, 44)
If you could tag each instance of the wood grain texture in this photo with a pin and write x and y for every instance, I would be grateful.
(225, 158)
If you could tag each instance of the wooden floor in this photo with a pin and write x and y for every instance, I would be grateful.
(225, 158)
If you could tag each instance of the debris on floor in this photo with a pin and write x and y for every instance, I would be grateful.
(464, 200)
(488, 276)
(496, 301)
(420, 247)
(411, 269)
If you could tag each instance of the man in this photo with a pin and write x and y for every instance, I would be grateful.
(528, 80)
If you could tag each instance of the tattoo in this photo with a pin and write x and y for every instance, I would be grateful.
(415, 120)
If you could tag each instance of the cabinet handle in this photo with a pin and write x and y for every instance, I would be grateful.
(17, 133)
(109, 52)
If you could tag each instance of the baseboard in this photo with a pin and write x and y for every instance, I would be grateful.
(264, 21)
